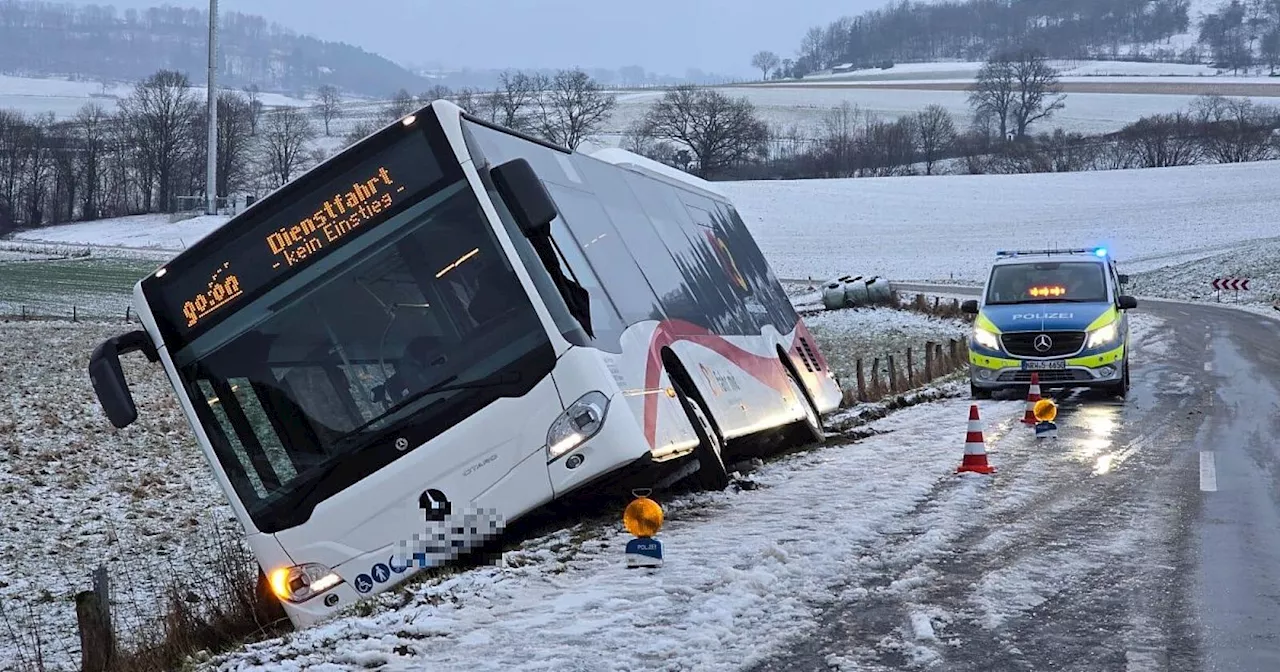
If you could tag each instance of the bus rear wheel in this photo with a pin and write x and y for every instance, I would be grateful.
(812, 422)
(712, 473)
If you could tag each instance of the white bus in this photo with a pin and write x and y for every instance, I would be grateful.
(448, 318)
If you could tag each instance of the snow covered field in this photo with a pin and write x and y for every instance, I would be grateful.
(75, 493)
(949, 227)
(64, 97)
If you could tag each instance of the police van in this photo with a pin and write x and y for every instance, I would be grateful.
(1058, 313)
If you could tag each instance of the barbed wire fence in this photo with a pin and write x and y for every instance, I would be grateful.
(146, 608)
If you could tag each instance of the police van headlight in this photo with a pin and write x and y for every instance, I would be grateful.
(302, 582)
(986, 339)
(581, 421)
(1102, 336)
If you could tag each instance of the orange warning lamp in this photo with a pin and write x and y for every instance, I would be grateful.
(643, 517)
(1045, 410)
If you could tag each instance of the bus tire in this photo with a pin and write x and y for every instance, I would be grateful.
(712, 473)
(812, 421)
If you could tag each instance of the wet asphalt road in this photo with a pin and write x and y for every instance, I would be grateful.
(1147, 537)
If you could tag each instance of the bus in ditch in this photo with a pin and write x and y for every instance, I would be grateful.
(449, 321)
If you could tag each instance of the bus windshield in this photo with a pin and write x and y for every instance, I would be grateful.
(1047, 282)
(385, 343)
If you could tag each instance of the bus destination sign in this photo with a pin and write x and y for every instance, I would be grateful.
(281, 240)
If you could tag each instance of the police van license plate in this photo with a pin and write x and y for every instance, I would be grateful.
(1049, 365)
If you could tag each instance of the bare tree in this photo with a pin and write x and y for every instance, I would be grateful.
(935, 133)
(1037, 93)
(839, 140)
(516, 94)
(93, 127)
(328, 105)
(993, 93)
(1233, 130)
(286, 134)
(160, 114)
(436, 92)
(719, 131)
(888, 147)
(254, 94)
(235, 131)
(400, 105)
(765, 62)
(573, 108)
(1162, 140)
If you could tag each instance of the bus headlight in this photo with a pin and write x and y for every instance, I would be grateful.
(302, 582)
(1102, 336)
(986, 339)
(581, 421)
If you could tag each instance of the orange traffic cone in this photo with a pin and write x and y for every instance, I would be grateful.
(975, 447)
(1033, 395)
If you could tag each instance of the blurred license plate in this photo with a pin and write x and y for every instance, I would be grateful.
(1051, 365)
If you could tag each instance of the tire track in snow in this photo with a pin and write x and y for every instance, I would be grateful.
(1072, 571)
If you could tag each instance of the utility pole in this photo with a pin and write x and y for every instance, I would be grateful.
(211, 172)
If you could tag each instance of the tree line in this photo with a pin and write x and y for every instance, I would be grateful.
(914, 30)
(149, 155)
(100, 43)
(720, 137)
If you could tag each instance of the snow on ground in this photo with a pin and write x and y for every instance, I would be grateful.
(949, 227)
(744, 571)
(1258, 262)
(74, 492)
(154, 232)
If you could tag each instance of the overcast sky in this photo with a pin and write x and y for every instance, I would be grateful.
(660, 35)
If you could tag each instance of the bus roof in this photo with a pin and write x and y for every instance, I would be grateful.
(638, 163)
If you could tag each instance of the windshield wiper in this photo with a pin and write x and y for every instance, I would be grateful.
(354, 442)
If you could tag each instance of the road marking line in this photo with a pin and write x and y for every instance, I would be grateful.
(1208, 472)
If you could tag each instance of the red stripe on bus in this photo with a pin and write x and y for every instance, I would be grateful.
(766, 369)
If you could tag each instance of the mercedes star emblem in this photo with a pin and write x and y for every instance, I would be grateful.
(1043, 343)
(402, 443)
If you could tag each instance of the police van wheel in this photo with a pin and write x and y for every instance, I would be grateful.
(712, 473)
(976, 392)
(1120, 389)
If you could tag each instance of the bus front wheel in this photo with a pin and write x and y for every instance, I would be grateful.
(712, 473)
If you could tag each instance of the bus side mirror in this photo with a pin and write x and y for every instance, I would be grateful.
(969, 307)
(526, 198)
(108, 378)
(1126, 303)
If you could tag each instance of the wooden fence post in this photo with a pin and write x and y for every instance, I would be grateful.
(893, 377)
(953, 353)
(937, 361)
(93, 615)
(73, 314)
(862, 383)
(911, 373)
(928, 362)
(875, 379)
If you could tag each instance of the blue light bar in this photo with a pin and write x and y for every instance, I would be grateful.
(1099, 251)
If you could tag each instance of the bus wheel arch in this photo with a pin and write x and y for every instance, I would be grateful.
(713, 471)
(813, 419)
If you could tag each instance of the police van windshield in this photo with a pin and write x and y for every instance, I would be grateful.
(1047, 282)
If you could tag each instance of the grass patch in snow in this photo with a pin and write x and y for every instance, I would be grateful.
(95, 287)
